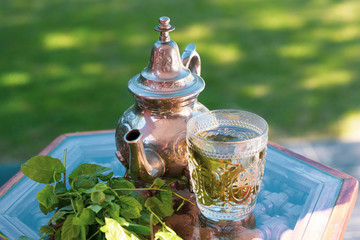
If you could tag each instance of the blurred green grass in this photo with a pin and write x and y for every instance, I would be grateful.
(64, 65)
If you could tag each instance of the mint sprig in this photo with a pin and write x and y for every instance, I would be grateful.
(92, 204)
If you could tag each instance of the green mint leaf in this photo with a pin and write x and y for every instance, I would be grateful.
(60, 188)
(138, 197)
(26, 238)
(45, 210)
(47, 197)
(99, 187)
(155, 205)
(114, 231)
(135, 228)
(43, 169)
(166, 236)
(123, 222)
(87, 217)
(161, 204)
(158, 183)
(113, 210)
(69, 231)
(88, 169)
(140, 229)
(144, 219)
(99, 221)
(97, 197)
(166, 233)
(67, 208)
(120, 183)
(83, 232)
(181, 179)
(129, 207)
(59, 215)
(109, 198)
(106, 177)
(84, 181)
(95, 208)
(46, 230)
(79, 203)
(58, 235)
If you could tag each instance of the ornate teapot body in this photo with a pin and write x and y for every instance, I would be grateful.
(151, 134)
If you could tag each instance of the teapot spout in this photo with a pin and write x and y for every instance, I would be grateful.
(144, 164)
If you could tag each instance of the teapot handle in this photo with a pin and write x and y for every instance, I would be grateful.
(191, 59)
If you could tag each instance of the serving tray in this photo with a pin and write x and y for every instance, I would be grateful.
(299, 198)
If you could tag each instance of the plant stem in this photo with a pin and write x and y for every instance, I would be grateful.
(94, 234)
(157, 189)
(65, 151)
(72, 204)
(115, 193)
(151, 226)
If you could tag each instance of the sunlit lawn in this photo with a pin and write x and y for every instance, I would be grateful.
(64, 65)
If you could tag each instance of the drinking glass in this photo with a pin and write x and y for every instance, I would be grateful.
(227, 150)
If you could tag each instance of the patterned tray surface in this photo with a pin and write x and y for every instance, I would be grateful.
(295, 197)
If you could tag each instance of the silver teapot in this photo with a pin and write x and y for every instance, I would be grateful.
(151, 134)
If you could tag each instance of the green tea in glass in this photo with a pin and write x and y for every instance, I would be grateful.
(227, 150)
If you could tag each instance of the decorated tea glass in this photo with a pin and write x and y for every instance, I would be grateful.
(227, 150)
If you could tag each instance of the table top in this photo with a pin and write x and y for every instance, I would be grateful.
(299, 198)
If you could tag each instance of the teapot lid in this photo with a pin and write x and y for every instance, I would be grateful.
(166, 77)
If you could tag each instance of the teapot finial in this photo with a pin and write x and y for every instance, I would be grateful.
(164, 28)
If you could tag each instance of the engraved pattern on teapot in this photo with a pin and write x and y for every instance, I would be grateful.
(162, 61)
